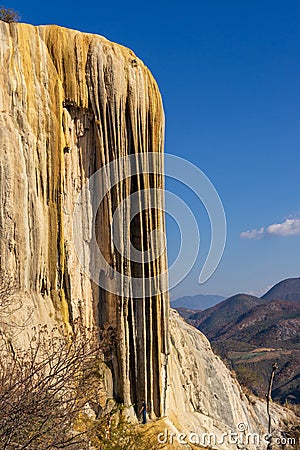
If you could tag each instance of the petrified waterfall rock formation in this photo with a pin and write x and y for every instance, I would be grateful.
(69, 104)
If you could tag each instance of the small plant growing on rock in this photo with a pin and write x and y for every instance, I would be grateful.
(8, 15)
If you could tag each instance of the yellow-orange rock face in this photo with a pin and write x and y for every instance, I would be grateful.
(69, 104)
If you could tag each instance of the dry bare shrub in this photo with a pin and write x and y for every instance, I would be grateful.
(9, 15)
(49, 390)
(45, 389)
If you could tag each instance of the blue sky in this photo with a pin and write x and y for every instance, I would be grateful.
(229, 75)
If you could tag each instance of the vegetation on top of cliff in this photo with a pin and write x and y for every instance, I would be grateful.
(9, 15)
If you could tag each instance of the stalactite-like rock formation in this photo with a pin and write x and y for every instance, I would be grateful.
(70, 103)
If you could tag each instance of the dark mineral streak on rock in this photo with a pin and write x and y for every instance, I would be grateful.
(71, 103)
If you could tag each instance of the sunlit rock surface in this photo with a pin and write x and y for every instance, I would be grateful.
(69, 104)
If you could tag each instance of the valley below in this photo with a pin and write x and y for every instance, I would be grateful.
(250, 334)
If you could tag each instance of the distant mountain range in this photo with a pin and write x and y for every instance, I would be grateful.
(285, 290)
(213, 320)
(197, 302)
(251, 333)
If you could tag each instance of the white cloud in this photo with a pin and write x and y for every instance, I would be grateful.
(253, 234)
(290, 227)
